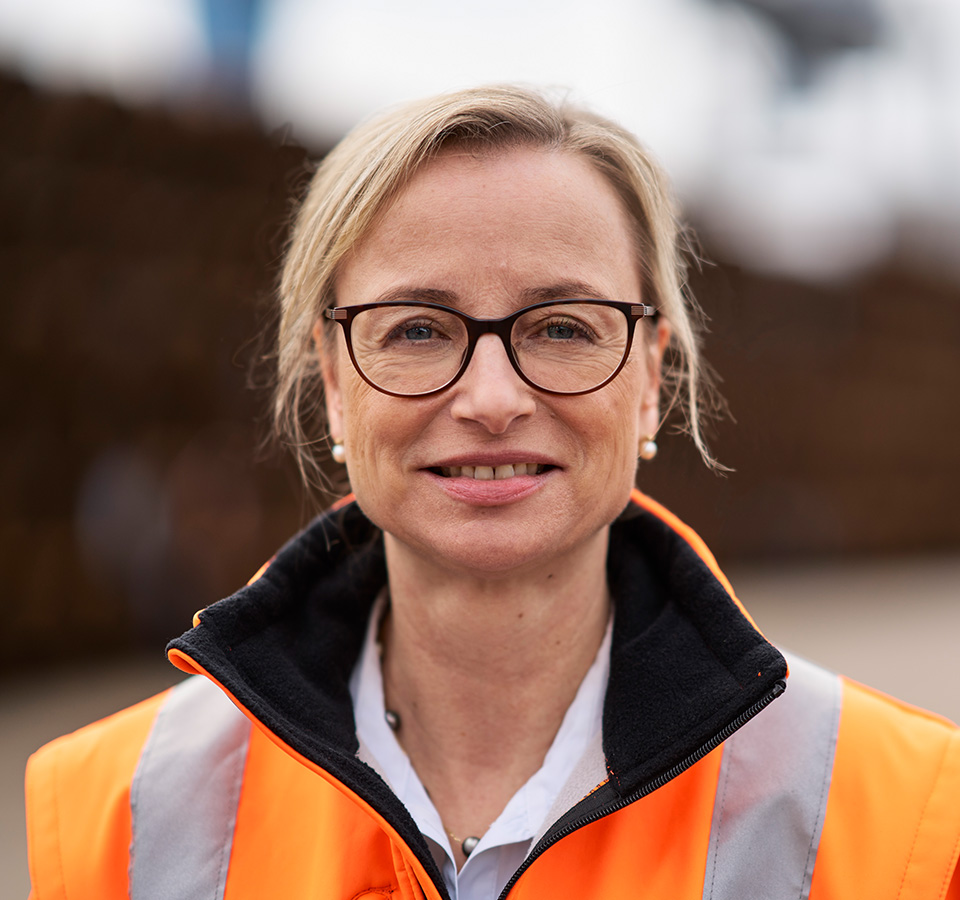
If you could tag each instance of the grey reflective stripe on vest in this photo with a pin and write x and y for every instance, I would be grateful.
(772, 793)
(184, 795)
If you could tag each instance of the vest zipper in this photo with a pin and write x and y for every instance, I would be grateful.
(551, 838)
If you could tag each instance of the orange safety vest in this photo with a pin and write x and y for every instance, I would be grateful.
(245, 782)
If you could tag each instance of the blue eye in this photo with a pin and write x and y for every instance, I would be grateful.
(560, 332)
(419, 333)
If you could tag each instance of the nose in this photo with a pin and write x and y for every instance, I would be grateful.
(490, 391)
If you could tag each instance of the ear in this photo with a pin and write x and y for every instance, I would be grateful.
(332, 396)
(650, 399)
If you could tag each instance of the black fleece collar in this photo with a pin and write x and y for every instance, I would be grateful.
(685, 661)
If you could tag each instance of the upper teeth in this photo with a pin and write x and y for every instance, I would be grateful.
(490, 473)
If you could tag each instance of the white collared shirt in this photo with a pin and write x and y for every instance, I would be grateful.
(506, 843)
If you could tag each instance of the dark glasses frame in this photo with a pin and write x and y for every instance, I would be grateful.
(476, 328)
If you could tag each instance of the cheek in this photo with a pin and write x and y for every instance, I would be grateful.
(361, 418)
(611, 431)
(629, 417)
(633, 390)
(379, 431)
(356, 396)
(614, 468)
(361, 403)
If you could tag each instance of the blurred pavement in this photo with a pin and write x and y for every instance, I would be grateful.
(894, 625)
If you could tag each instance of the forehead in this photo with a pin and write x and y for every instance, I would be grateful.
(478, 225)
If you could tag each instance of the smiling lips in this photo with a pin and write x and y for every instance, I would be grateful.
(492, 473)
(492, 485)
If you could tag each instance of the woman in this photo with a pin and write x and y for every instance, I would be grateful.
(497, 669)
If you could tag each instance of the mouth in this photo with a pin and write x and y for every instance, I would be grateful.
(491, 473)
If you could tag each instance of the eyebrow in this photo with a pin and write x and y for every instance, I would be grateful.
(425, 295)
(562, 290)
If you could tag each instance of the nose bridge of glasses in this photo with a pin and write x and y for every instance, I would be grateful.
(476, 328)
(501, 328)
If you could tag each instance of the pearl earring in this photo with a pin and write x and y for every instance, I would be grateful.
(338, 452)
(648, 448)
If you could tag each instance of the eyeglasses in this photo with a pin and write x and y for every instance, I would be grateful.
(413, 348)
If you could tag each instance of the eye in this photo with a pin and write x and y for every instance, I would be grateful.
(560, 332)
(418, 333)
(566, 329)
(415, 331)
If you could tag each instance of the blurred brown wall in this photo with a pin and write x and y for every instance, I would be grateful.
(137, 254)
(847, 408)
(136, 251)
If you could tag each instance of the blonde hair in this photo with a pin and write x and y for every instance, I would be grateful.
(374, 162)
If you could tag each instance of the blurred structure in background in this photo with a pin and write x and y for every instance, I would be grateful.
(816, 145)
(815, 31)
(231, 27)
(137, 253)
(851, 156)
(813, 139)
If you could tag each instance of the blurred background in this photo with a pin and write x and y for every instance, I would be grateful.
(150, 154)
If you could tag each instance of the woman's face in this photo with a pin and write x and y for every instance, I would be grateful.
(487, 234)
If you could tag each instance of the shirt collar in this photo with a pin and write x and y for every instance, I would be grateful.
(524, 815)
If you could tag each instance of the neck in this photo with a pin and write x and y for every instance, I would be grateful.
(482, 672)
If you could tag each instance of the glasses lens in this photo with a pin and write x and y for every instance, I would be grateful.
(570, 347)
(408, 349)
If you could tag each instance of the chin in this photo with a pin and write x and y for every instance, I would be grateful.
(496, 551)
